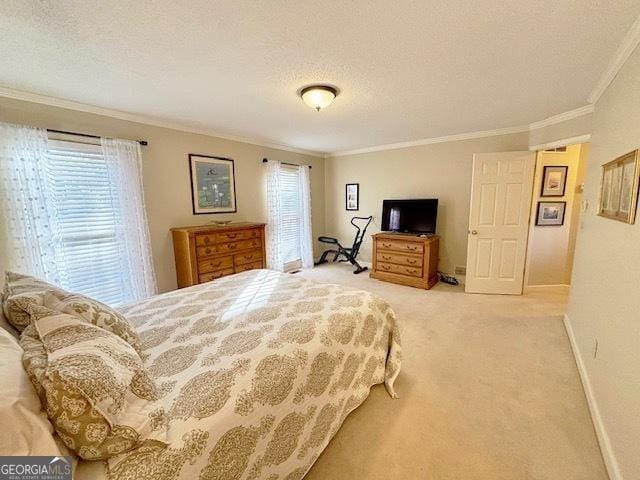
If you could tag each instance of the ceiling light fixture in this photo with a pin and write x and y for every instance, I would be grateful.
(318, 96)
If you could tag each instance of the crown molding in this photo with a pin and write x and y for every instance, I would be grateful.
(565, 142)
(429, 141)
(626, 48)
(146, 120)
(562, 117)
(553, 120)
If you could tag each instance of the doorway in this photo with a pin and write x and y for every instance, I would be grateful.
(556, 208)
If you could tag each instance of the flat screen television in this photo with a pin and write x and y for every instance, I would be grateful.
(410, 216)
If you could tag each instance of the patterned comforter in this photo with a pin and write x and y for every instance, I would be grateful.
(258, 371)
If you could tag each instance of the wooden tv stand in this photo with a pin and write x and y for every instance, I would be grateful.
(407, 259)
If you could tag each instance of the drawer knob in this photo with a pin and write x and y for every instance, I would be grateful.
(231, 235)
(206, 240)
(411, 261)
(411, 271)
(385, 257)
(386, 245)
(385, 267)
(232, 246)
(411, 247)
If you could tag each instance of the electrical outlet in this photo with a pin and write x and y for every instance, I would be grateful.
(595, 349)
(460, 270)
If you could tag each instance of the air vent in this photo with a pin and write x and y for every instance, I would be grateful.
(556, 150)
(460, 270)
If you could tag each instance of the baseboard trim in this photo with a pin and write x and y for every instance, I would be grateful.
(603, 438)
(538, 288)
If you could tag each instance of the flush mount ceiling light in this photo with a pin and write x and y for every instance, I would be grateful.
(318, 96)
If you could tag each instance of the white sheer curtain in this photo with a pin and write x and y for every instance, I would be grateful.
(289, 242)
(29, 241)
(124, 166)
(274, 212)
(74, 214)
(306, 240)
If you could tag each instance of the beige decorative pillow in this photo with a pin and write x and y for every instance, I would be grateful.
(92, 384)
(21, 291)
(96, 313)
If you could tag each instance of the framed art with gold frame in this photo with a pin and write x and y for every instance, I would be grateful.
(619, 188)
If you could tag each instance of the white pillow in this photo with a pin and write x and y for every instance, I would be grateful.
(3, 321)
(26, 429)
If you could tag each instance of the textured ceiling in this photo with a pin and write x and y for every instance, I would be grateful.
(407, 70)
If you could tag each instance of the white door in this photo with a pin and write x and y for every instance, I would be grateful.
(499, 221)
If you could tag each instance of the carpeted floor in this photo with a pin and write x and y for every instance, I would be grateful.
(489, 390)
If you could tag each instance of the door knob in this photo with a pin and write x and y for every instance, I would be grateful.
(474, 232)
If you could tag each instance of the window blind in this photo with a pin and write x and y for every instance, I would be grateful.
(87, 215)
(291, 217)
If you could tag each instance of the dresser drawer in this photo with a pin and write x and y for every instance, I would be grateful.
(247, 257)
(206, 266)
(241, 235)
(248, 266)
(207, 277)
(400, 246)
(241, 245)
(230, 247)
(399, 269)
(399, 258)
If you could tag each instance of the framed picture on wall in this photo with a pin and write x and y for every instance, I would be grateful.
(213, 184)
(619, 188)
(550, 213)
(554, 181)
(352, 196)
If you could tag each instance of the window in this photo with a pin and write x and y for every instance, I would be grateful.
(291, 217)
(72, 213)
(87, 219)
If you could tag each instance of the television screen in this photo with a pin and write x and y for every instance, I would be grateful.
(410, 216)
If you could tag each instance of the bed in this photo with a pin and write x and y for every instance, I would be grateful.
(257, 372)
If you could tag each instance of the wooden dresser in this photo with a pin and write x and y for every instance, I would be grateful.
(208, 252)
(405, 259)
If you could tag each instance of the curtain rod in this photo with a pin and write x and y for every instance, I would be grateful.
(64, 132)
(265, 160)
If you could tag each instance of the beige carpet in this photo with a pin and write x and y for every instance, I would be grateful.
(489, 390)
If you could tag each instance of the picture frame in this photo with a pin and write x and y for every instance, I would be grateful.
(550, 214)
(352, 196)
(554, 180)
(619, 188)
(213, 184)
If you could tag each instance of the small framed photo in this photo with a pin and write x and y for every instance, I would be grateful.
(619, 188)
(550, 213)
(352, 196)
(554, 181)
(213, 184)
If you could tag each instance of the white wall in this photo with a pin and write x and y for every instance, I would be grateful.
(166, 178)
(605, 295)
(441, 170)
(549, 250)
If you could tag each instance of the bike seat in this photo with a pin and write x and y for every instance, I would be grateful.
(331, 240)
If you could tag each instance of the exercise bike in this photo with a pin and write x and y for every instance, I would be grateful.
(349, 253)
